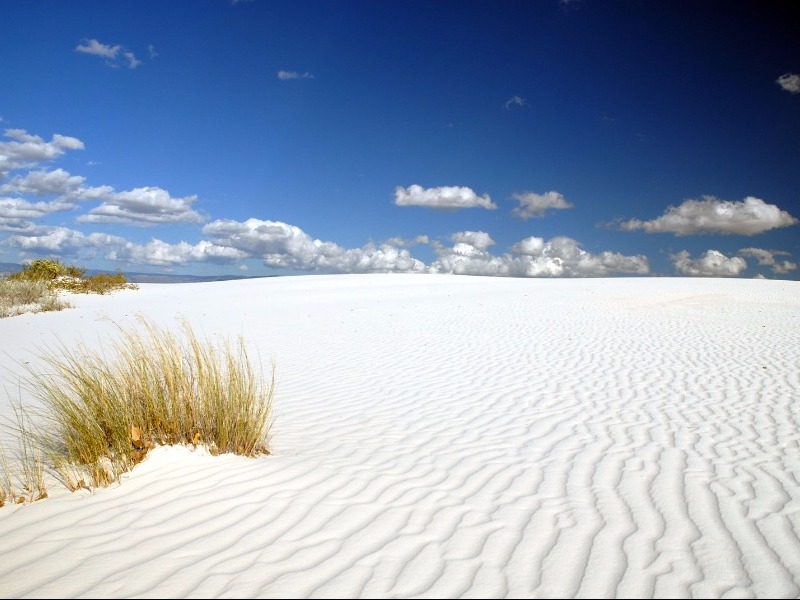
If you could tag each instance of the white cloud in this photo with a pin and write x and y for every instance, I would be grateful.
(151, 50)
(97, 49)
(465, 259)
(160, 253)
(110, 53)
(17, 225)
(287, 246)
(789, 82)
(515, 101)
(144, 206)
(64, 241)
(711, 264)
(767, 258)
(133, 62)
(27, 150)
(58, 182)
(409, 242)
(441, 197)
(60, 240)
(712, 215)
(280, 245)
(17, 208)
(533, 257)
(42, 183)
(563, 256)
(285, 75)
(477, 239)
(533, 205)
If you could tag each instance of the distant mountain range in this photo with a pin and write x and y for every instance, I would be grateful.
(6, 268)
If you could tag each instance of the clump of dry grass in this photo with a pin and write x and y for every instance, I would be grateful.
(102, 414)
(46, 269)
(35, 288)
(102, 283)
(7, 490)
(26, 480)
(18, 297)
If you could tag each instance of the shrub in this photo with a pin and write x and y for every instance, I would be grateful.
(101, 283)
(102, 414)
(35, 288)
(46, 269)
(19, 296)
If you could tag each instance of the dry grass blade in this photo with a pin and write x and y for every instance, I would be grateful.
(103, 413)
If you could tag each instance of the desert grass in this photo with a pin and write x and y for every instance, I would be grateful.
(36, 287)
(25, 481)
(100, 413)
(18, 297)
(7, 489)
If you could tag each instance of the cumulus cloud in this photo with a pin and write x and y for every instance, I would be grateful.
(70, 242)
(95, 48)
(515, 101)
(60, 240)
(42, 183)
(532, 257)
(58, 182)
(110, 53)
(17, 208)
(27, 150)
(143, 207)
(465, 259)
(409, 242)
(17, 225)
(563, 257)
(163, 254)
(711, 264)
(477, 239)
(287, 246)
(789, 82)
(286, 75)
(712, 215)
(768, 258)
(449, 198)
(533, 205)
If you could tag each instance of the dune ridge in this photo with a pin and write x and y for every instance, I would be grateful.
(445, 436)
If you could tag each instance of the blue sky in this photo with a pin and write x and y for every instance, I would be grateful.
(532, 138)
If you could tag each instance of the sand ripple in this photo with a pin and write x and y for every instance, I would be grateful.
(463, 437)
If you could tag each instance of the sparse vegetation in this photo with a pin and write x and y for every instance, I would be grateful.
(18, 297)
(101, 413)
(36, 287)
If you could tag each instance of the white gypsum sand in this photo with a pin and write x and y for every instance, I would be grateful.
(445, 436)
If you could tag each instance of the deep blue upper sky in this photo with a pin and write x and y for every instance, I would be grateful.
(531, 138)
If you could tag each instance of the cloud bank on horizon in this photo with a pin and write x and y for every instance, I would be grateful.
(507, 187)
(285, 246)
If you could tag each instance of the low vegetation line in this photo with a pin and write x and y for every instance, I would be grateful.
(36, 287)
(100, 412)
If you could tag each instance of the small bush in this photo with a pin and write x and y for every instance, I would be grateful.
(35, 288)
(46, 270)
(101, 414)
(96, 284)
(20, 296)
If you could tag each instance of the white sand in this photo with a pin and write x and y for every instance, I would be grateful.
(444, 436)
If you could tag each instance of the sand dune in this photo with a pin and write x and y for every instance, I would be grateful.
(451, 437)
